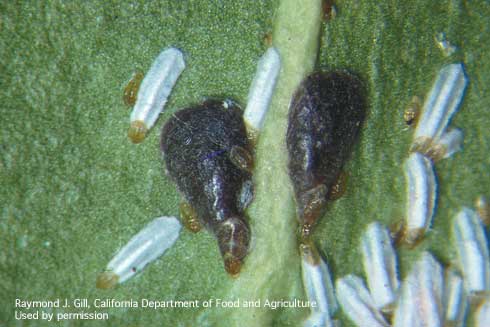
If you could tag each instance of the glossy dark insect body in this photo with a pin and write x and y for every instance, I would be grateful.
(325, 117)
(204, 149)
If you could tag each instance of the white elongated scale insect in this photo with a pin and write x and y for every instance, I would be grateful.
(379, 261)
(472, 250)
(154, 91)
(455, 300)
(421, 191)
(449, 143)
(357, 303)
(441, 104)
(420, 301)
(260, 93)
(317, 281)
(482, 314)
(146, 246)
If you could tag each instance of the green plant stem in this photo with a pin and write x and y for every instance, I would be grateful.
(272, 269)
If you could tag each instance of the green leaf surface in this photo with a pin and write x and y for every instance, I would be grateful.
(74, 189)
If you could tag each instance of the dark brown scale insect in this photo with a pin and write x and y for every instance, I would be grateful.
(325, 117)
(207, 155)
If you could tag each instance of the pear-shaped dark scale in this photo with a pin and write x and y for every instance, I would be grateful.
(200, 147)
(325, 117)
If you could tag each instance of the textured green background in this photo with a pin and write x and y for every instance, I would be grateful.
(74, 189)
